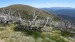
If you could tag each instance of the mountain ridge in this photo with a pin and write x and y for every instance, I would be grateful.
(61, 10)
(63, 13)
(25, 9)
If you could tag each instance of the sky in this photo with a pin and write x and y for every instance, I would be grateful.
(40, 3)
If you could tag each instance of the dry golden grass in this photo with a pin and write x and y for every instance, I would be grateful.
(9, 35)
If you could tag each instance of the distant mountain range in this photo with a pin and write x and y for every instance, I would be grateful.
(66, 13)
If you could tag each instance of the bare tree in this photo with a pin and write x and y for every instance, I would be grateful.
(34, 17)
(47, 20)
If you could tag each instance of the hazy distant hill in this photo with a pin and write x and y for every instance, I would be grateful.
(66, 13)
(66, 17)
(61, 11)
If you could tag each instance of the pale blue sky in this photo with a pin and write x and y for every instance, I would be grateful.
(40, 3)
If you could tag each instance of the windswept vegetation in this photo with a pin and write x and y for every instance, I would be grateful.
(22, 23)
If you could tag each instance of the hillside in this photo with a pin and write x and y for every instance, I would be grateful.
(23, 23)
(28, 10)
(66, 17)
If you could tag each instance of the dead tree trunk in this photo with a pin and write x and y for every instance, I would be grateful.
(34, 17)
(47, 20)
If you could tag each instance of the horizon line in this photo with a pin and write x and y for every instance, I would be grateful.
(38, 7)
